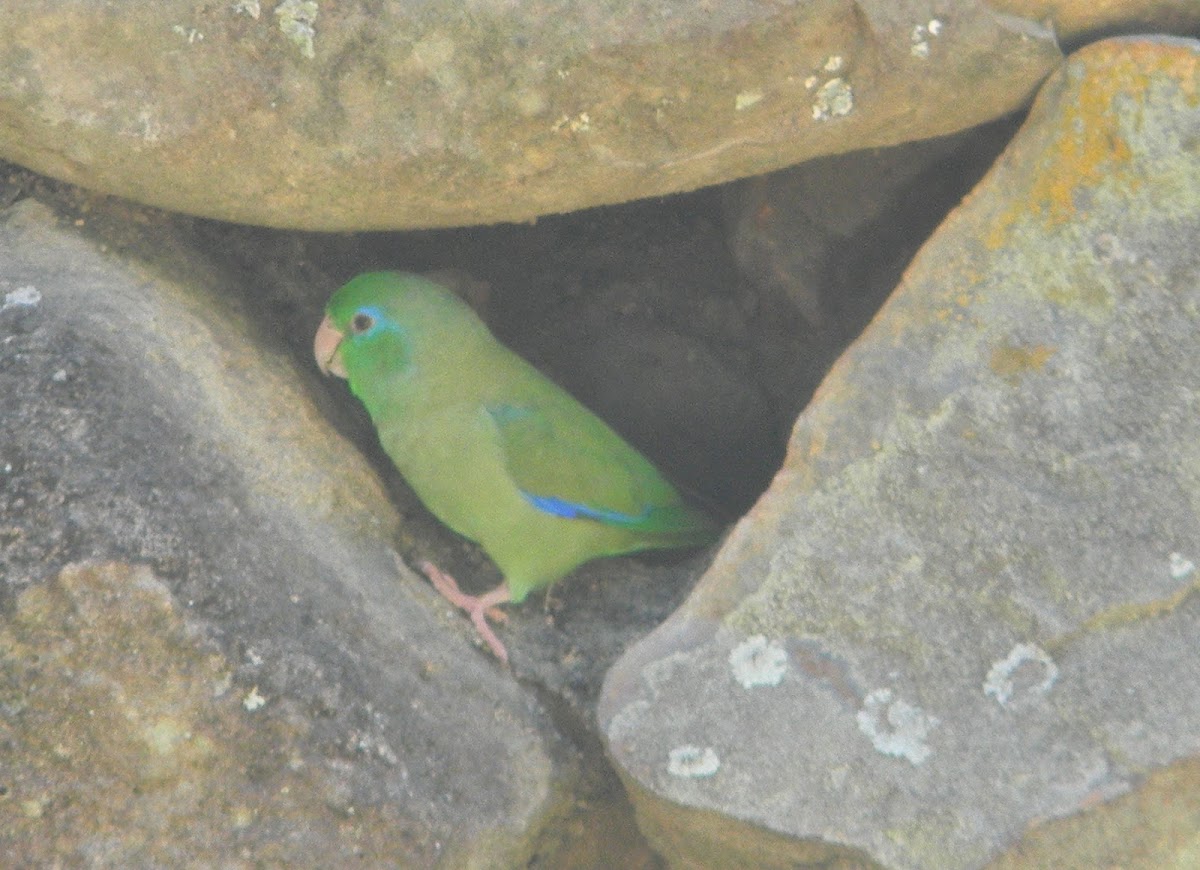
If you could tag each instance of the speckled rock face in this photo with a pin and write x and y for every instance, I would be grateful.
(360, 115)
(240, 670)
(120, 720)
(968, 604)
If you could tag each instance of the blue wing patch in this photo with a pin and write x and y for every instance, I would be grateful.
(571, 511)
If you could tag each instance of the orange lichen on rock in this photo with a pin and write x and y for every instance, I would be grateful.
(1090, 147)
(1012, 361)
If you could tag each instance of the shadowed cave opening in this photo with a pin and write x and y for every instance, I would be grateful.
(697, 325)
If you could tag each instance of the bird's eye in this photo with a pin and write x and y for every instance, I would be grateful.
(361, 322)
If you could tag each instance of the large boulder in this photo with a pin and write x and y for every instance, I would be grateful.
(209, 650)
(966, 610)
(362, 114)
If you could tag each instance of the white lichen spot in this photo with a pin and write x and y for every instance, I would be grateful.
(834, 63)
(248, 7)
(59, 377)
(529, 101)
(222, 684)
(27, 296)
(150, 130)
(746, 99)
(833, 99)
(838, 776)
(811, 82)
(1109, 249)
(581, 123)
(1027, 672)
(921, 34)
(758, 662)
(692, 762)
(191, 34)
(896, 727)
(1180, 566)
(296, 20)
(253, 700)
(165, 734)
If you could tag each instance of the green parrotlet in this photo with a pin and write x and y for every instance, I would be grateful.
(495, 450)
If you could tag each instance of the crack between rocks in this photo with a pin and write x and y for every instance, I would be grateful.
(1129, 613)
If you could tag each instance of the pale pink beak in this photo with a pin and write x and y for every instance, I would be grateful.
(325, 349)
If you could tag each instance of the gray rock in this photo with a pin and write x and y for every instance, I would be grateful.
(360, 115)
(968, 605)
(241, 671)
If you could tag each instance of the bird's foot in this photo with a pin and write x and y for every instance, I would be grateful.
(478, 607)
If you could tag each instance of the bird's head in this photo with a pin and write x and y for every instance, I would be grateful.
(382, 324)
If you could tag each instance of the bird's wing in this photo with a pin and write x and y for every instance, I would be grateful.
(567, 462)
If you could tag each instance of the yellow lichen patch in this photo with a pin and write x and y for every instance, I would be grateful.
(1138, 611)
(1090, 146)
(1181, 63)
(1011, 361)
(816, 445)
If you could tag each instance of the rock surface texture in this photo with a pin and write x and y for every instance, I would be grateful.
(1074, 20)
(262, 684)
(959, 630)
(967, 606)
(368, 115)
